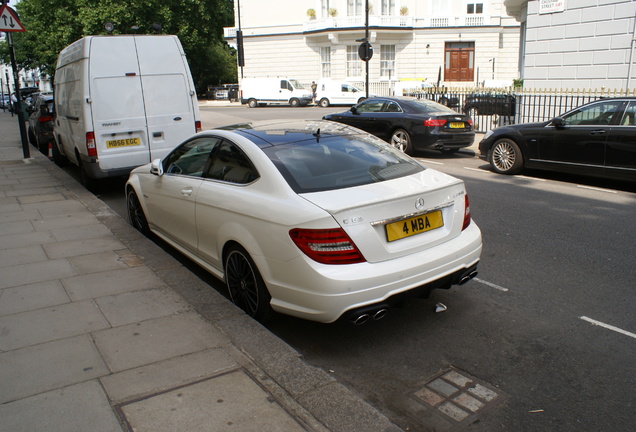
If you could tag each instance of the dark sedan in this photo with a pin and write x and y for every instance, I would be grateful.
(410, 124)
(490, 103)
(40, 125)
(596, 139)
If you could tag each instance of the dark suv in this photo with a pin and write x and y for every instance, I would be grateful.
(490, 103)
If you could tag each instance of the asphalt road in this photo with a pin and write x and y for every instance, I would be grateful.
(548, 325)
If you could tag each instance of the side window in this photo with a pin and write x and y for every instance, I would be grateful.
(370, 106)
(190, 158)
(600, 113)
(230, 164)
(629, 117)
(392, 107)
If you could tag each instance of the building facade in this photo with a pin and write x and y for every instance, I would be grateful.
(574, 44)
(458, 42)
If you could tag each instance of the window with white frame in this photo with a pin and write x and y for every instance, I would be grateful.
(440, 7)
(388, 7)
(387, 60)
(474, 8)
(354, 64)
(324, 8)
(355, 7)
(325, 62)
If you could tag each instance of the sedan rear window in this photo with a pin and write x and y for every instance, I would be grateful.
(334, 162)
(426, 106)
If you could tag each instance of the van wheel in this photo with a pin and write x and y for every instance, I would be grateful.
(245, 285)
(362, 99)
(58, 158)
(324, 102)
(294, 102)
(88, 182)
(252, 103)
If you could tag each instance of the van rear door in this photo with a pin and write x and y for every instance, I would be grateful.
(169, 97)
(119, 120)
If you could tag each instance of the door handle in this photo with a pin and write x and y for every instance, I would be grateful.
(186, 192)
(598, 132)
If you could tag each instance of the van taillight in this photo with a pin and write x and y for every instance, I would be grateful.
(197, 126)
(91, 148)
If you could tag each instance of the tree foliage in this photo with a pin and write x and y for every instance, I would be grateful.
(51, 25)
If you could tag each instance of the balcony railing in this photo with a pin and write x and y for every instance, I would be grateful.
(357, 21)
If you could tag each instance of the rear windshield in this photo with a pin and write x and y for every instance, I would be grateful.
(334, 162)
(426, 106)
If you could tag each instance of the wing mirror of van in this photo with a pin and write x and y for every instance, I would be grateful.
(156, 167)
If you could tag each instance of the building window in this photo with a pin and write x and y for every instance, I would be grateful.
(475, 8)
(354, 64)
(355, 7)
(388, 7)
(324, 8)
(325, 62)
(459, 64)
(387, 60)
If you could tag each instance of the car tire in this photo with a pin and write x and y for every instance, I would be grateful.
(32, 138)
(245, 285)
(505, 157)
(252, 103)
(136, 215)
(89, 182)
(294, 102)
(58, 158)
(324, 102)
(401, 140)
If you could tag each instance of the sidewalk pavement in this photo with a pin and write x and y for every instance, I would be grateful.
(99, 332)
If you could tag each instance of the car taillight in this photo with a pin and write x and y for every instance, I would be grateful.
(466, 213)
(91, 148)
(469, 121)
(327, 246)
(45, 119)
(434, 122)
(197, 126)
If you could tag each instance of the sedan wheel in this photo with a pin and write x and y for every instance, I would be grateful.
(401, 140)
(506, 157)
(136, 215)
(245, 285)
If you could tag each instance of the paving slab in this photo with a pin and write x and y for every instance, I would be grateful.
(63, 221)
(231, 402)
(30, 273)
(40, 368)
(80, 407)
(11, 241)
(167, 374)
(63, 249)
(22, 255)
(155, 340)
(17, 227)
(31, 297)
(110, 282)
(81, 232)
(97, 262)
(43, 325)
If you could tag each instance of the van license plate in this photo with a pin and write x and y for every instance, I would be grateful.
(123, 142)
(414, 225)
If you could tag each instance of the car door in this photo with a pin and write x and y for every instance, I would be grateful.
(365, 116)
(223, 202)
(620, 154)
(170, 198)
(580, 141)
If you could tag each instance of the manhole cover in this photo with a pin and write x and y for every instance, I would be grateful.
(458, 398)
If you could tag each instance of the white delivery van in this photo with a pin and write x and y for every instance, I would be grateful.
(261, 91)
(338, 93)
(122, 101)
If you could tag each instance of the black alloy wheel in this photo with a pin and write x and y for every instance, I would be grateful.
(136, 215)
(245, 285)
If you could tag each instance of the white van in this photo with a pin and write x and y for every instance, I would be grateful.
(261, 91)
(338, 93)
(122, 101)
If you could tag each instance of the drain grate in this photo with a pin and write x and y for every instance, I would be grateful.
(458, 396)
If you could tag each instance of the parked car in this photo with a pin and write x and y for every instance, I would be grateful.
(40, 122)
(490, 103)
(596, 139)
(410, 124)
(5, 101)
(313, 219)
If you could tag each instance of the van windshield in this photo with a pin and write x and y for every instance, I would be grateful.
(296, 84)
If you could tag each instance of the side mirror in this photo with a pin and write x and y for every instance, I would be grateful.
(353, 110)
(557, 122)
(156, 167)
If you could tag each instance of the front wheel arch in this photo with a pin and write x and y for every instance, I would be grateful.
(505, 156)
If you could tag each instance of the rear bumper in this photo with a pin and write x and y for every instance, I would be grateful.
(325, 293)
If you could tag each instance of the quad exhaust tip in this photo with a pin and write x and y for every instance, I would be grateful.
(468, 277)
(366, 314)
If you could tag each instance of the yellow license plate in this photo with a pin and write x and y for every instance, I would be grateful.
(457, 125)
(414, 225)
(123, 142)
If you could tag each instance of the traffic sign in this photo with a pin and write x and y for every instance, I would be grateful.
(9, 21)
